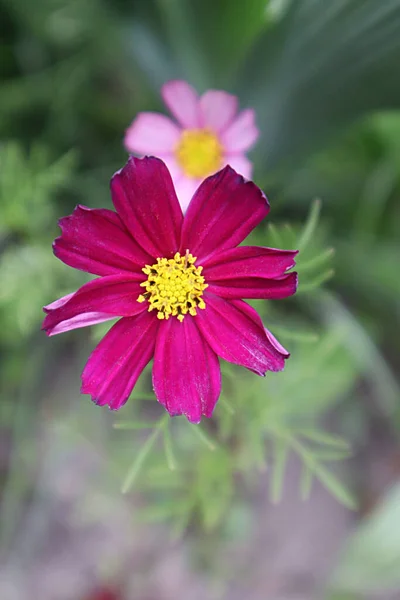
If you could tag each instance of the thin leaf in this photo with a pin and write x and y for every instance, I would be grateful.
(226, 405)
(328, 480)
(133, 425)
(316, 283)
(305, 482)
(205, 439)
(334, 486)
(310, 225)
(278, 472)
(315, 262)
(139, 460)
(321, 437)
(276, 238)
(294, 335)
(169, 453)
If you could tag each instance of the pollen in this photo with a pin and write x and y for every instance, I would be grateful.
(174, 287)
(199, 153)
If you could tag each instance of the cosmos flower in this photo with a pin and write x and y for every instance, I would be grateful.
(177, 282)
(209, 134)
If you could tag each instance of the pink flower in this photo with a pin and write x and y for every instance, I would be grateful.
(208, 135)
(177, 282)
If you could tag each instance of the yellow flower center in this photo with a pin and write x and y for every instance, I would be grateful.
(174, 286)
(199, 153)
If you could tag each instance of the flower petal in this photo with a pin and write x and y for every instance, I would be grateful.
(151, 133)
(145, 199)
(251, 272)
(255, 287)
(240, 163)
(185, 188)
(222, 213)
(277, 344)
(183, 102)
(96, 241)
(91, 318)
(249, 261)
(108, 297)
(241, 134)
(186, 372)
(235, 332)
(217, 109)
(173, 166)
(115, 365)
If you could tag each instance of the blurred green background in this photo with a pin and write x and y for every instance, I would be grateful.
(258, 503)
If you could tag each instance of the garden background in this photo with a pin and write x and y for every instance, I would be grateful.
(292, 490)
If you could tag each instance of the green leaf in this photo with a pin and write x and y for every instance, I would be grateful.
(214, 486)
(280, 449)
(328, 480)
(310, 226)
(203, 437)
(306, 482)
(169, 452)
(321, 437)
(333, 485)
(133, 425)
(140, 458)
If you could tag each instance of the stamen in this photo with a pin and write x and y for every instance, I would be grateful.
(174, 287)
(199, 153)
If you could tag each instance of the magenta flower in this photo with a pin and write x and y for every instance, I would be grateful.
(208, 135)
(177, 282)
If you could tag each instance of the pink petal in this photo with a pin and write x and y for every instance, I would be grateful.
(84, 320)
(186, 372)
(240, 163)
(183, 102)
(255, 287)
(241, 134)
(151, 133)
(249, 261)
(185, 188)
(223, 211)
(276, 344)
(172, 165)
(96, 241)
(235, 332)
(145, 199)
(115, 365)
(96, 301)
(217, 109)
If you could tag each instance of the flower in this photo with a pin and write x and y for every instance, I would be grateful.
(208, 135)
(177, 282)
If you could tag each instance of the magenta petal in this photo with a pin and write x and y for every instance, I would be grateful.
(144, 197)
(111, 296)
(255, 287)
(96, 241)
(222, 212)
(248, 261)
(115, 365)
(186, 372)
(235, 332)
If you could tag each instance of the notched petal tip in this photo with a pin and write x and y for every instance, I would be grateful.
(295, 281)
(194, 420)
